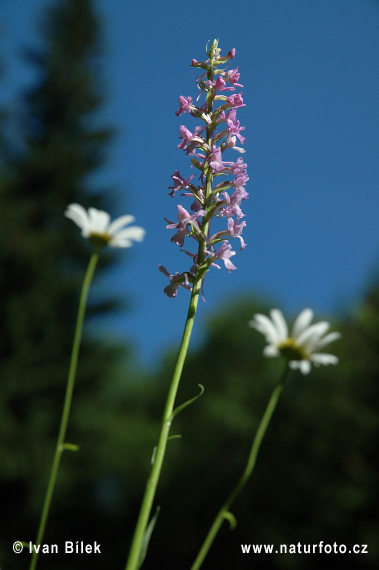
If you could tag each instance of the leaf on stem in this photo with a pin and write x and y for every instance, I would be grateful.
(188, 402)
(70, 447)
(227, 515)
(146, 538)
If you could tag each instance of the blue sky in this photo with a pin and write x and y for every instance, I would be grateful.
(311, 88)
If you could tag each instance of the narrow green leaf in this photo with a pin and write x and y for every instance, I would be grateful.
(70, 447)
(146, 538)
(231, 518)
(188, 402)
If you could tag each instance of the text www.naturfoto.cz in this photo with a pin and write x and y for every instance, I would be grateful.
(299, 548)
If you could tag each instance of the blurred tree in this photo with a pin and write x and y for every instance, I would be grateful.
(43, 259)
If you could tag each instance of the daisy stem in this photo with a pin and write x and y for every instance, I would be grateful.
(134, 560)
(224, 511)
(60, 446)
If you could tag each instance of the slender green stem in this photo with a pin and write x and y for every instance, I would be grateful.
(66, 407)
(133, 562)
(224, 511)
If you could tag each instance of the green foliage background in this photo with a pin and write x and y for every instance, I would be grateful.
(317, 473)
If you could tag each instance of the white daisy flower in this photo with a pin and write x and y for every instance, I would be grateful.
(302, 345)
(96, 225)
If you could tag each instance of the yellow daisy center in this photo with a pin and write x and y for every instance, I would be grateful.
(289, 349)
(99, 240)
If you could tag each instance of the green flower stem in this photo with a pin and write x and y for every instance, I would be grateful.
(224, 511)
(133, 562)
(67, 405)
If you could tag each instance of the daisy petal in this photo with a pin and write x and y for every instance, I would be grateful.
(270, 350)
(302, 322)
(134, 232)
(280, 323)
(305, 366)
(265, 326)
(310, 336)
(324, 359)
(117, 242)
(78, 215)
(99, 220)
(327, 340)
(119, 223)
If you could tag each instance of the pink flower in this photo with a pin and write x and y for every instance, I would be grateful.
(234, 230)
(239, 167)
(215, 160)
(184, 220)
(190, 140)
(233, 76)
(219, 85)
(179, 182)
(233, 127)
(231, 143)
(225, 253)
(235, 100)
(234, 202)
(185, 105)
(176, 281)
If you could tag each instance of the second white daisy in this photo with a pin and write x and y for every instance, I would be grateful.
(302, 345)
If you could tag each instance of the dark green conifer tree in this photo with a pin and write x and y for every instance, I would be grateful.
(43, 260)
